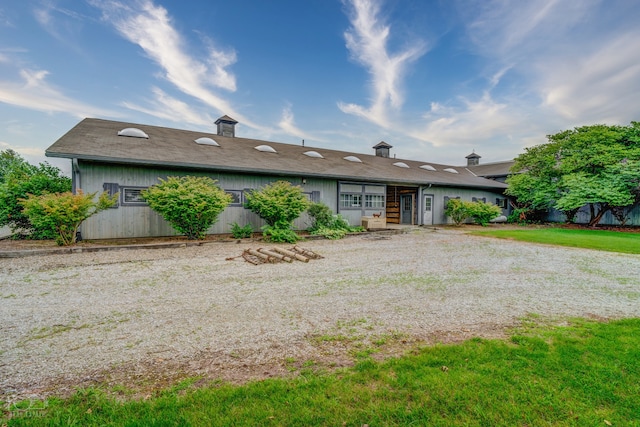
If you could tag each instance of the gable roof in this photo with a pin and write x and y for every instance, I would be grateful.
(98, 140)
(493, 170)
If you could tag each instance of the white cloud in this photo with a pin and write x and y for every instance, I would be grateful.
(36, 94)
(367, 43)
(150, 27)
(168, 108)
(287, 124)
(602, 86)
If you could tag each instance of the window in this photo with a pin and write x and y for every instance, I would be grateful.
(132, 196)
(428, 203)
(237, 197)
(111, 188)
(479, 199)
(350, 200)
(501, 203)
(374, 201)
(313, 196)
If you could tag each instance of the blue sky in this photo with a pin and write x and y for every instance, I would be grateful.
(435, 79)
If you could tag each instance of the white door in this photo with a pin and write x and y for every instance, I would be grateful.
(427, 216)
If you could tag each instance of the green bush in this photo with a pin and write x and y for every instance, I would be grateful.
(64, 212)
(18, 179)
(457, 210)
(239, 232)
(279, 204)
(482, 212)
(190, 204)
(328, 225)
(279, 234)
(460, 210)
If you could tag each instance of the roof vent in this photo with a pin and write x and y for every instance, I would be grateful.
(314, 154)
(206, 141)
(352, 159)
(133, 132)
(450, 170)
(428, 168)
(265, 149)
(401, 165)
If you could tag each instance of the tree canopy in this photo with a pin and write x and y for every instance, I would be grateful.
(596, 166)
(19, 179)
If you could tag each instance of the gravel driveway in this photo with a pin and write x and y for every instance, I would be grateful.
(146, 318)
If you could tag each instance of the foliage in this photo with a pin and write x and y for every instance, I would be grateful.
(239, 232)
(602, 240)
(279, 234)
(482, 212)
(543, 375)
(457, 210)
(328, 225)
(18, 179)
(190, 204)
(279, 203)
(597, 166)
(461, 210)
(64, 212)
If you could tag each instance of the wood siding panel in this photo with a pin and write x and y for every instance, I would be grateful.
(140, 221)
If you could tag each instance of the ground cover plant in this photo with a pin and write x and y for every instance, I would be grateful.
(603, 240)
(586, 373)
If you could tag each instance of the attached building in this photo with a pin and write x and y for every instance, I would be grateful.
(126, 158)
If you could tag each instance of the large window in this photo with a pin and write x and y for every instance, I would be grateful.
(374, 201)
(350, 201)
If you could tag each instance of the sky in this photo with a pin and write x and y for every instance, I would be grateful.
(436, 79)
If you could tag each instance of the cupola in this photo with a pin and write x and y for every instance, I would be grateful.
(226, 126)
(382, 149)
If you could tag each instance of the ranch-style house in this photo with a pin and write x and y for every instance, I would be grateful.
(126, 158)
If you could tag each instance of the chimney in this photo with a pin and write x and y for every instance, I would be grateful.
(226, 126)
(473, 159)
(382, 149)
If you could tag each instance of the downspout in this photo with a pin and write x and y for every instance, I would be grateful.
(75, 176)
(75, 186)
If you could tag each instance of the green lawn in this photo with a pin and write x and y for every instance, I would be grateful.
(612, 241)
(586, 374)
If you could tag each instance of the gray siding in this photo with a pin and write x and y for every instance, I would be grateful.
(439, 194)
(584, 215)
(127, 221)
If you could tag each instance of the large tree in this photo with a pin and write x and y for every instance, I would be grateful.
(18, 179)
(596, 166)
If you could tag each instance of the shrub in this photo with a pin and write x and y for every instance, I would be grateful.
(64, 212)
(328, 225)
(279, 204)
(239, 232)
(18, 179)
(457, 210)
(190, 204)
(279, 234)
(482, 212)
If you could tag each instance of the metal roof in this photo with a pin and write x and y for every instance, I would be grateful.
(98, 140)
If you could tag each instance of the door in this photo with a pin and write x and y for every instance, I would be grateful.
(427, 217)
(406, 209)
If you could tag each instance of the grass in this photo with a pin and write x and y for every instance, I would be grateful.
(584, 374)
(602, 240)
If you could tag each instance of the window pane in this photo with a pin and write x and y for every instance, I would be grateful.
(132, 195)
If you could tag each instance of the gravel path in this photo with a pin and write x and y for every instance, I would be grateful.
(145, 318)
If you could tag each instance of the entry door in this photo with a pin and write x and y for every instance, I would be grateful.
(427, 217)
(406, 210)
